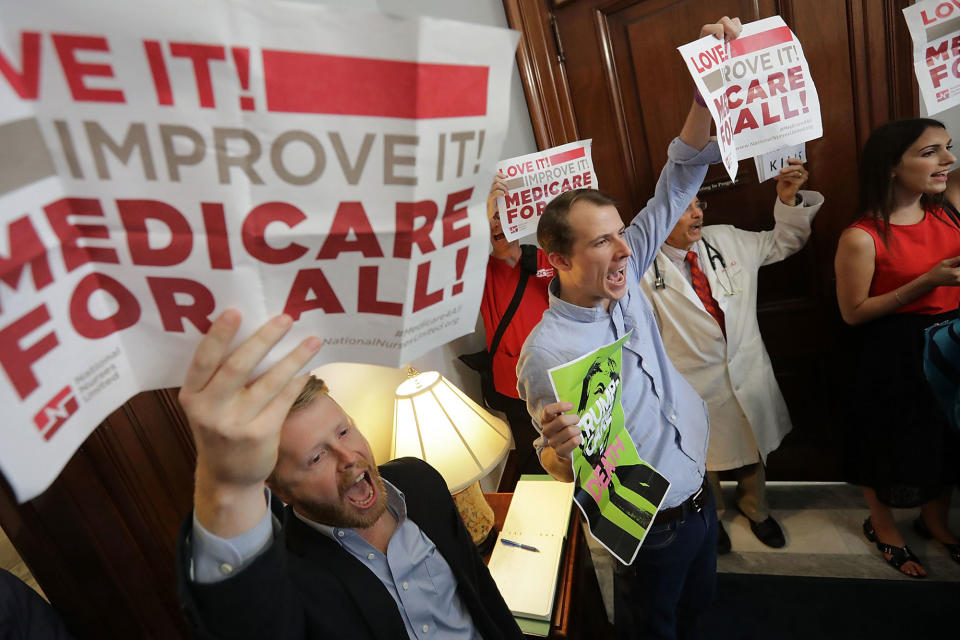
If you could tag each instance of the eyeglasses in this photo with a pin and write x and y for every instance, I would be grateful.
(700, 204)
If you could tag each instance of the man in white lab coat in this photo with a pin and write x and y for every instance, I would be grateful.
(703, 289)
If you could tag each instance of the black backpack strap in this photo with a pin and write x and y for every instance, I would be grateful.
(528, 267)
(528, 259)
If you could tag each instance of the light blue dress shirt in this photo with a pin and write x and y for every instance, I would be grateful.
(666, 418)
(413, 570)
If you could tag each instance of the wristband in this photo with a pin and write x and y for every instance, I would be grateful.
(699, 98)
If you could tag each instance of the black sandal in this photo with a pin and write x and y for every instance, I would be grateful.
(898, 555)
(920, 526)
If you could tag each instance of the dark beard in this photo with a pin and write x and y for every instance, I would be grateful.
(341, 514)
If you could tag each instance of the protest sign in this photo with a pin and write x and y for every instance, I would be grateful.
(769, 164)
(758, 89)
(537, 178)
(618, 493)
(163, 161)
(935, 29)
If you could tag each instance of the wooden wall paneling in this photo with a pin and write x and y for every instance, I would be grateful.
(587, 74)
(802, 332)
(883, 55)
(100, 541)
(542, 72)
(633, 162)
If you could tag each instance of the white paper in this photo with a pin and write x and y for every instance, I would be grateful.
(537, 178)
(769, 164)
(538, 516)
(758, 89)
(161, 162)
(935, 29)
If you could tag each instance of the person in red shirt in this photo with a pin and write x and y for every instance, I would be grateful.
(503, 274)
(897, 273)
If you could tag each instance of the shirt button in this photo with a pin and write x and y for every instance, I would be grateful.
(426, 628)
(226, 568)
(370, 556)
(340, 533)
(673, 416)
(405, 586)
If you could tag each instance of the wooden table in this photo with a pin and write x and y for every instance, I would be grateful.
(578, 610)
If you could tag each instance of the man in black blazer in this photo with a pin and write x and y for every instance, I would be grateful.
(359, 552)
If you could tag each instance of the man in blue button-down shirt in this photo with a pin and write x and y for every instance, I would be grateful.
(595, 300)
(360, 551)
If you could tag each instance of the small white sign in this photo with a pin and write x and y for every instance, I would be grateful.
(537, 178)
(769, 164)
(935, 29)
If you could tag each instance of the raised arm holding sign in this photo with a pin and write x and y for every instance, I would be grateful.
(595, 300)
(360, 551)
(758, 90)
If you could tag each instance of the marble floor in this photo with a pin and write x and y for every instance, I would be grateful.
(822, 524)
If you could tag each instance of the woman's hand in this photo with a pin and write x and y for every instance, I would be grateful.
(945, 273)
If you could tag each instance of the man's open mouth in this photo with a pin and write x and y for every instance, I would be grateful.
(362, 493)
(618, 277)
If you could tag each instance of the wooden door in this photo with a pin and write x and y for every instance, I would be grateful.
(100, 541)
(610, 71)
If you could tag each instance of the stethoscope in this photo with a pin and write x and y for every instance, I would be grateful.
(713, 256)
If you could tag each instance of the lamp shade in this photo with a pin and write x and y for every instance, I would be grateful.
(435, 421)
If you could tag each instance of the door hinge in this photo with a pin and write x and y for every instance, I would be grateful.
(556, 38)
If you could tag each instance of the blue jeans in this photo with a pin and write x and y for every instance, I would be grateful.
(665, 592)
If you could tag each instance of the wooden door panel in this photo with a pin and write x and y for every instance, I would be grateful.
(100, 541)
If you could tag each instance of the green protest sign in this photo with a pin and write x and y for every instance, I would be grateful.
(617, 491)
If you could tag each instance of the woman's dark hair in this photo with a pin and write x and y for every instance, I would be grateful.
(881, 154)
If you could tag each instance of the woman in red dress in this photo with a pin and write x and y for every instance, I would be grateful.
(897, 273)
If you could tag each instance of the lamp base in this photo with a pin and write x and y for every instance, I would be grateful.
(486, 546)
(477, 515)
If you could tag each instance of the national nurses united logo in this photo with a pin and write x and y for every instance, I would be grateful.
(56, 412)
(616, 490)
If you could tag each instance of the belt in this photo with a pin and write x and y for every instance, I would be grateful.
(692, 504)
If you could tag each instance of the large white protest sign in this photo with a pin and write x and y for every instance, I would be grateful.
(935, 29)
(163, 161)
(537, 178)
(758, 89)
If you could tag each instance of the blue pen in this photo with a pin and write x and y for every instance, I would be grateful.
(511, 543)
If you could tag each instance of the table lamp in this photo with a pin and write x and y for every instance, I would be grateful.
(435, 421)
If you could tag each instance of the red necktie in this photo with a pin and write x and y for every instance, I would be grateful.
(702, 287)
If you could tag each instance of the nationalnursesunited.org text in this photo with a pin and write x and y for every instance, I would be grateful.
(385, 344)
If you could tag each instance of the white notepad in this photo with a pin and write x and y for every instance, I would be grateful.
(538, 517)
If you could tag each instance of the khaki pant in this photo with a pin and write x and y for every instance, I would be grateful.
(751, 491)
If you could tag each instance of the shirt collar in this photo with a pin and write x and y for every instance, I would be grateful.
(575, 312)
(396, 503)
(677, 255)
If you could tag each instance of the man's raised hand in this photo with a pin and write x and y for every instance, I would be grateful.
(723, 29)
(497, 189)
(236, 420)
